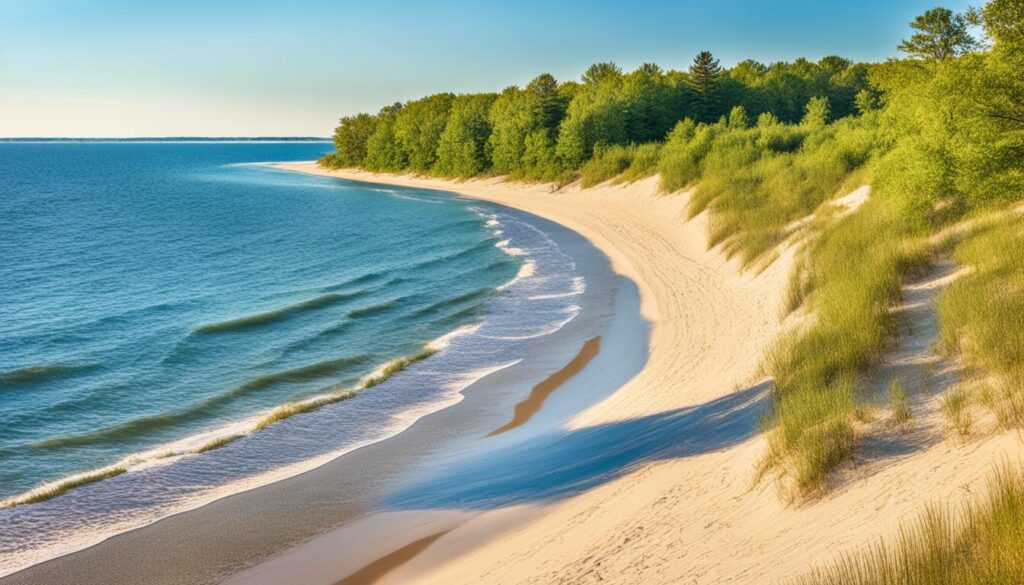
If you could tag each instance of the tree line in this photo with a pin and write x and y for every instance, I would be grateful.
(548, 130)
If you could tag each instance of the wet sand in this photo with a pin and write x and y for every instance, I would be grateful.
(376, 570)
(533, 403)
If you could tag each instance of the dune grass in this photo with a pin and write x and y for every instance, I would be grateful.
(900, 404)
(956, 409)
(622, 163)
(982, 316)
(854, 273)
(979, 545)
(756, 180)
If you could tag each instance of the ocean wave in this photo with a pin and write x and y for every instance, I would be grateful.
(579, 286)
(304, 343)
(454, 301)
(276, 314)
(526, 270)
(217, 438)
(42, 373)
(468, 251)
(374, 309)
(132, 429)
(359, 280)
(301, 374)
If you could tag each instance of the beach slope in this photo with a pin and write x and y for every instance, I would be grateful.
(694, 514)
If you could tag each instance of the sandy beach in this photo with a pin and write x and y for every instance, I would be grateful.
(693, 514)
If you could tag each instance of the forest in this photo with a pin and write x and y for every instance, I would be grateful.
(938, 134)
(548, 130)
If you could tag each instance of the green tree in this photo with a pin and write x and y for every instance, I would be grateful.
(350, 138)
(940, 34)
(547, 102)
(599, 72)
(705, 79)
(816, 112)
(418, 128)
(461, 150)
(383, 150)
(738, 118)
(866, 101)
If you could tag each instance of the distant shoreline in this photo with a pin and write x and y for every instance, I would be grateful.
(161, 139)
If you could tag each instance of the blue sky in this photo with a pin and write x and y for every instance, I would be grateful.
(186, 67)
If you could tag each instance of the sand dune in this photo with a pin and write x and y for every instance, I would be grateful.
(695, 517)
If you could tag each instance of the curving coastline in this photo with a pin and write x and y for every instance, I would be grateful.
(637, 451)
(220, 539)
(654, 483)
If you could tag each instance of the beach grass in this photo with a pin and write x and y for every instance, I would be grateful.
(755, 180)
(624, 163)
(956, 408)
(900, 404)
(854, 275)
(978, 545)
(982, 315)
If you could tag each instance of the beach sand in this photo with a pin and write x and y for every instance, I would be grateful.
(696, 516)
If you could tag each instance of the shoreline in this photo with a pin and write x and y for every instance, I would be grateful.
(368, 471)
(637, 229)
(685, 509)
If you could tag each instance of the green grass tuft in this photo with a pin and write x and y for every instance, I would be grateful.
(981, 545)
(901, 412)
(956, 409)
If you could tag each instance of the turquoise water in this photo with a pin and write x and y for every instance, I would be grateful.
(151, 292)
(161, 303)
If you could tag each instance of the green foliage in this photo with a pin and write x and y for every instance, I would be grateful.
(644, 163)
(756, 180)
(939, 34)
(539, 160)
(816, 112)
(350, 139)
(384, 152)
(418, 128)
(624, 163)
(524, 123)
(982, 313)
(549, 130)
(685, 149)
(462, 147)
(705, 75)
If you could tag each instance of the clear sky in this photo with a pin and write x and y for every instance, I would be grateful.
(254, 67)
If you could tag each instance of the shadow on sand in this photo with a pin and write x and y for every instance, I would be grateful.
(560, 464)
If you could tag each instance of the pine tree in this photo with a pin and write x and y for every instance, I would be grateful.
(550, 107)
(705, 79)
